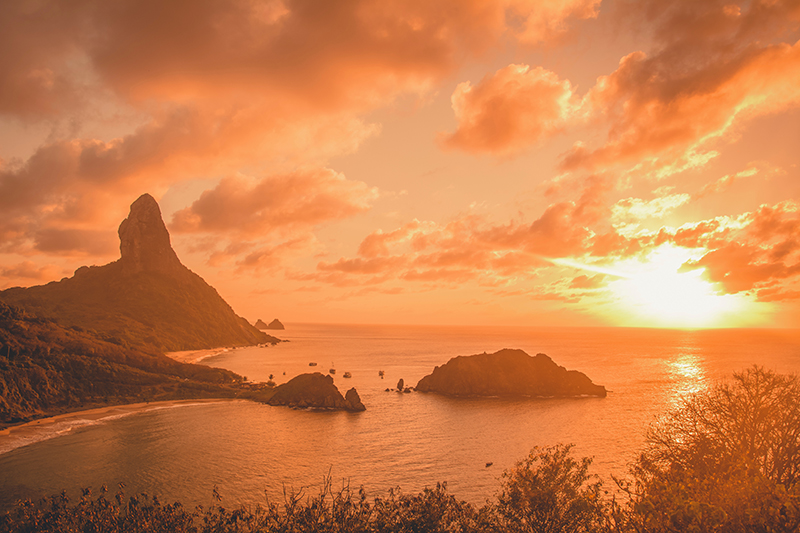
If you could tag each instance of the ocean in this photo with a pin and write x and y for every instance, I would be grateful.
(253, 452)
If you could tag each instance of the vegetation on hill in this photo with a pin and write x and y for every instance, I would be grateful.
(726, 461)
(46, 369)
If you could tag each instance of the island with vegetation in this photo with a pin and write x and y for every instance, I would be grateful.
(508, 373)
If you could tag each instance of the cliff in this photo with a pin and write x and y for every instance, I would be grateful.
(147, 298)
(508, 373)
(316, 391)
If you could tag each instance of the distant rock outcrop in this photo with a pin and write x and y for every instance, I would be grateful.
(275, 324)
(508, 373)
(147, 298)
(315, 391)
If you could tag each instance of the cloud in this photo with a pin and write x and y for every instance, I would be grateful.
(724, 183)
(710, 69)
(270, 257)
(76, 241)
(739, 267)
(216, 87)
(251, 207)
(765, 251)
(588, 282)
(470, 247)
(38, 67)
(776, 295)
(28, 271)
(629, 210)
(293, 52)
(508, 111)
(546, 20)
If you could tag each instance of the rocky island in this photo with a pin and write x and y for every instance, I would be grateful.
(275, 324)
(508, 373)
(315, 390)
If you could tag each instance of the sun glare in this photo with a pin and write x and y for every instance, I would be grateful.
(656, 294)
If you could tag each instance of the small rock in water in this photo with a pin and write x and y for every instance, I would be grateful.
(352, 398)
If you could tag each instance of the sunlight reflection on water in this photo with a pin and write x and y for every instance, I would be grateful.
(689, 376)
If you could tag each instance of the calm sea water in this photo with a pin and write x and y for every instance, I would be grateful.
(252, 451)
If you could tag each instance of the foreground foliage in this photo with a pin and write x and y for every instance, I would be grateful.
(727, 460)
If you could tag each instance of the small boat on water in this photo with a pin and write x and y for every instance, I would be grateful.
(332, 370)
(347, 375)
(312, 364)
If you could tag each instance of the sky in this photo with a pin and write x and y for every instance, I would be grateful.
(476, 162)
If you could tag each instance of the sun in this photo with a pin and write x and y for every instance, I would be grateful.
(655, 293)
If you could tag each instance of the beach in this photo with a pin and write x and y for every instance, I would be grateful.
(195, 356)
(45, 428)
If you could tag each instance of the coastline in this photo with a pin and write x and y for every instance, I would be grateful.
(20, 435)
(195, 356)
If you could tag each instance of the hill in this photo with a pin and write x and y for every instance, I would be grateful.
(46, 369)
(146, 299)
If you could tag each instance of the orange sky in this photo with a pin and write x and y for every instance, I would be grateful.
(550, 162)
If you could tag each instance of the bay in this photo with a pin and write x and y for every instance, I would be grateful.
(253, 452)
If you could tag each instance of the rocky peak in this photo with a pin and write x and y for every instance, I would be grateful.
(144, 239)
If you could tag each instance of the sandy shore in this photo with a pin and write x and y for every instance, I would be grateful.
(195, 356)
(45, 428)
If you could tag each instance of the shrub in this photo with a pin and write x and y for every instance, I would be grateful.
(727, 459)
(550, 492)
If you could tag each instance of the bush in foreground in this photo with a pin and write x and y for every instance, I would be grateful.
(726, 460)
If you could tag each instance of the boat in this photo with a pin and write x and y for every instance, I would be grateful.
(347, 375)
(312, 364)
(332, 370)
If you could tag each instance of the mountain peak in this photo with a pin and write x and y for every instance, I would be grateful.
(144, 239)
